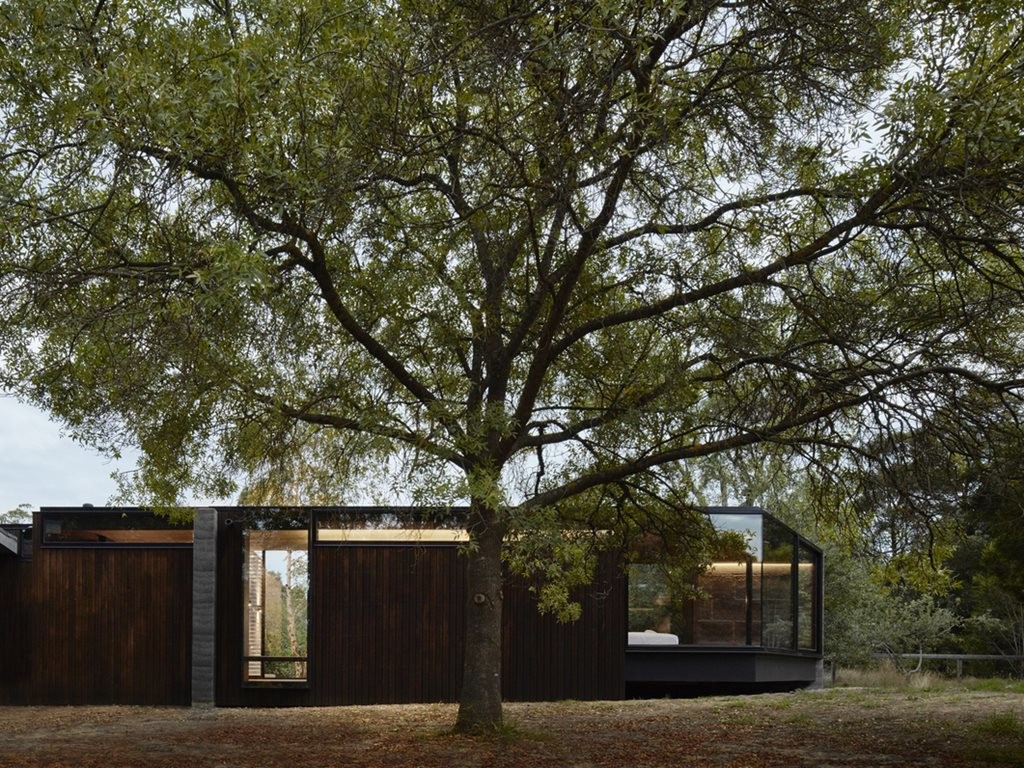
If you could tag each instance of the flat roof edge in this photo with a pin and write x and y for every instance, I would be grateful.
(8, 542)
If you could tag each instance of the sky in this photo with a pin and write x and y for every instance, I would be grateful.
(42, 467)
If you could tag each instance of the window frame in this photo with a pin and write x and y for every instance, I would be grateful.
(290, 520)
(795, 545)
(48, 515)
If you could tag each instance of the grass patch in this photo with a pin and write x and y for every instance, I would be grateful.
(886, 677)
(926, 681)
(993, 685)
(1005, 727)
(1001, 755)
(958, 728)
(736, 703)
(848, 696)
(799, 718)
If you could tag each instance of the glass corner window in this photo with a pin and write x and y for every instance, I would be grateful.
(761, 590)
(777, 587)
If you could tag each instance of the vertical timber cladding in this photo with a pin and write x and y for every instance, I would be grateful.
(389, 620)
(386, 625)
(18, 672)
(544, 659)
(98, 625)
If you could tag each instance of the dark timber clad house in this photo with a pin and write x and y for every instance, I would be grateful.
(324, 606)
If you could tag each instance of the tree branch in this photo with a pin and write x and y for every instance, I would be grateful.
(749, 437)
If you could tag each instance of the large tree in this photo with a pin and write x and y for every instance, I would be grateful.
(531, 255)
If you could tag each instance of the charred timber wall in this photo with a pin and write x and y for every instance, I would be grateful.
(386, 625)
(96, 626)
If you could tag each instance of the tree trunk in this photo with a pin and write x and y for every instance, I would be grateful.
(480, 698)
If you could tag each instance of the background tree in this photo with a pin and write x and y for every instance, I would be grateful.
(988, 563)
(535, 257)
(20, 514)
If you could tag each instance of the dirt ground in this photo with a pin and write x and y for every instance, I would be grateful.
(839, 727)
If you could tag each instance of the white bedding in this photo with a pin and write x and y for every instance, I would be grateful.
(650, 637)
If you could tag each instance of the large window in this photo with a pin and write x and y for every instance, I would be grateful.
(656, 616)
(662, 606)
(724, 609)
(275, 578)
(762, 589)
(727, 610)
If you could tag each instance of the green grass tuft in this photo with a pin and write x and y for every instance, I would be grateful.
(993, 685)
(1005, 725)
(1000, 739)
(886, 677)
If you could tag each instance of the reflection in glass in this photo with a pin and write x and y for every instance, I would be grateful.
(747, 526)
(725, 612)
(807, 608)
(777, 586)
(656, 616)
(120, 527)
(662, 608)
(276, 584)
(756, 592)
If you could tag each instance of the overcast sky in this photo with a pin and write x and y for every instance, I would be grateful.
(43, 468)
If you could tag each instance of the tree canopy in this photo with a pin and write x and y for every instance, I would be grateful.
(532, 256)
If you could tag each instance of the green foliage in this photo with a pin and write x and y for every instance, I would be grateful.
(916, 625)
(995, 685)
(539, 261)
(278, 218)
(999, 739)
(854, 606)
(1002, 725)
(555, 559)
(20, 514)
